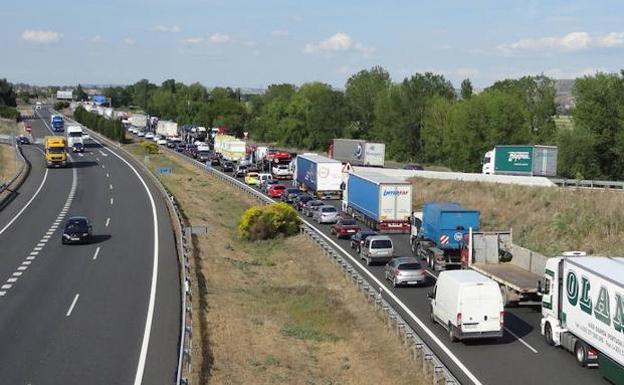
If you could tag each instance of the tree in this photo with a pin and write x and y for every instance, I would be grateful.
(79, 93)
(142, 92)
(466, 89)
(7, 94)
(361, 95)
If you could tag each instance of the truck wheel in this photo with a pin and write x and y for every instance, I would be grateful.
(548, 334)
(452, 337)
(431, 316)
(580, 351)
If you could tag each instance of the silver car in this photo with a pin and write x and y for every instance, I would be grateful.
(311, 206)
(377, 248)
(326, 214)
(405, 271)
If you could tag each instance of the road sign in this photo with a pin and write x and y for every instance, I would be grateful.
(164, 170)
(197, 229)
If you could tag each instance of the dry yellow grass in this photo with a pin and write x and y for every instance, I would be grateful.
(545, 219)
(275, 312)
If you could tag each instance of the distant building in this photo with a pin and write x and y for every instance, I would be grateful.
(65, 95)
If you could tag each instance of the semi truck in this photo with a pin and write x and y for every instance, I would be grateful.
(167, 128)
(138, 121)
(518, 274)
(57, 123)
(382, 203)
(583, 311)
(320, 175)
(438, 236)
(526, 160)
(358, 152)
(229, 147)
(74, 138)
(55, 151)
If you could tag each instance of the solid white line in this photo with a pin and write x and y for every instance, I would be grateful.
(138, 379)
(45, 176)
(71, 307)
(111, 201)
(5, 287)
(521, 340)
(12, 280)
(107, 222)
(97, 251)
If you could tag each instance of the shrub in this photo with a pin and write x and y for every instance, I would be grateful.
(60, 105)
(260, 223)
(150, 147)
(8, 112)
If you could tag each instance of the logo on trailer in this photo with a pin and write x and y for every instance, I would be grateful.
(458, 236)
(358, 152)
(444, 239)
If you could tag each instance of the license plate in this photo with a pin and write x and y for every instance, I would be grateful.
(469, 326)
(412, 282)
(75, 238)
(350, 231)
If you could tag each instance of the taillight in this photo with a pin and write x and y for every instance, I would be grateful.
(459, 320)
(502, 319)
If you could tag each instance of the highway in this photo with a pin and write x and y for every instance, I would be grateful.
(103, 313)
(521, 357)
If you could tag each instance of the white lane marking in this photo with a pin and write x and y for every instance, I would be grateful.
(30, 257)
(17, 274)
(40, 244)
(103, 166)
(34, 252)
(22, 268)
(38, 248)
(2, 293)
(138, 379)
(111, 201)
(26, 263)
(80, 155)
(110, 186)
(103, 153)
(108, 176)
(97, 251)
(531, 348)
(5, 287)
(12, 280)
(96, 158)
(45, 238)
(45, 176)
(71, 307)
(107, 222)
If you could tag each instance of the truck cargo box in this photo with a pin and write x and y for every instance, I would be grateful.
(359, 152)
(319, 174)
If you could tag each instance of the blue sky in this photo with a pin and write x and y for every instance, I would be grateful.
(257, 43)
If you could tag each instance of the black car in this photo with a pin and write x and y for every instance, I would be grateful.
(301, 200)
(203, 156)
(78, 147)
(216, 161)
(290, 195)
(22, 139)
(180, 147)
(228, 167)
(77, 230)
(357, 240)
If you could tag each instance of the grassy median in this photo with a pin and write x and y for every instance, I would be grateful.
(548, 220)
(274, 312)
(8, 162)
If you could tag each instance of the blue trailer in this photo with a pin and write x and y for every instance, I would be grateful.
(57, 123)
(382, 203)
(439, 237)
(320, 175)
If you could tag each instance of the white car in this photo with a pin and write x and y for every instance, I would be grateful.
(162, 141)
(149, 135)
(141, 134)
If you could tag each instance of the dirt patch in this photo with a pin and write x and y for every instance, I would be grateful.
(544, 219)
(274, 312)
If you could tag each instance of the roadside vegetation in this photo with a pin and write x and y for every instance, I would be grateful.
(274, 311)
(8, 163)
(544, 219)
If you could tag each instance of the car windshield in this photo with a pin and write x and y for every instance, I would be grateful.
(279, 188)
(328, 209)
(381, 244)
(348, 222)
(410, 266)
(78, 225)
(293, 190)
(56, 150)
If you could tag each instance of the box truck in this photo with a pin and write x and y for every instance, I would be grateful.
(583, 311)
(167, 128)
(74, 138)
(138, 121)
(382, 203)
(358, 152)
(320, 175)
(55, 151)
(527, 160)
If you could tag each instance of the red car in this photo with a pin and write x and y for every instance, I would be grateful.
(345, 228)
(276, 190)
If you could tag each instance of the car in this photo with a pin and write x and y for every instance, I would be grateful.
(301, 200)
(269, 183)
(357, 240)
(345, 228)
(413, 166)
(203, 156)
(228, 166)
(215, 160)
(310, 207)
(405, 271)
(162, 141)
(326, 214)
(149, 135)
(377, 248)
(172, 143)
(262, 177)
(251, 178)
(241, 170)
(78, 147)
(77, 230)
(276, 190)
(141, 134)
(23, 139)
(290, 194)
(180, 147)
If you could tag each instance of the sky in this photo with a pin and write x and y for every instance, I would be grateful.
(252, 44)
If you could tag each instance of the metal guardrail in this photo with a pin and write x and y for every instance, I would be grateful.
(420, 352)
(595, 184)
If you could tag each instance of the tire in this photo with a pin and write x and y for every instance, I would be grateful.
(548, 334)
(63, 241)
(580, 351)
(368, 261)
(452, 336)
(431, 316)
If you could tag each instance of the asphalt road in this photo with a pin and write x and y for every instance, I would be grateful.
(521, 357)
(79, 313)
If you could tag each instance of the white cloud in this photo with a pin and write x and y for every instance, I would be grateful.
(165, 28)
(466, 72)
(41, 37)
(279, 33)
(573, 41)
(193, 40)
(338, 42)
(129, 41)
(96, 39)
(219, 38)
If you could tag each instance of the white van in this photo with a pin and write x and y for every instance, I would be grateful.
(468, 304)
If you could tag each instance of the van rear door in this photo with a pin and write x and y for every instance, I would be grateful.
(481, 306)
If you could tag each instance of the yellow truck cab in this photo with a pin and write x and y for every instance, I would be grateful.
(55, 151)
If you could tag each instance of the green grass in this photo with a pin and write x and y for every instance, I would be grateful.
(564, 122)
